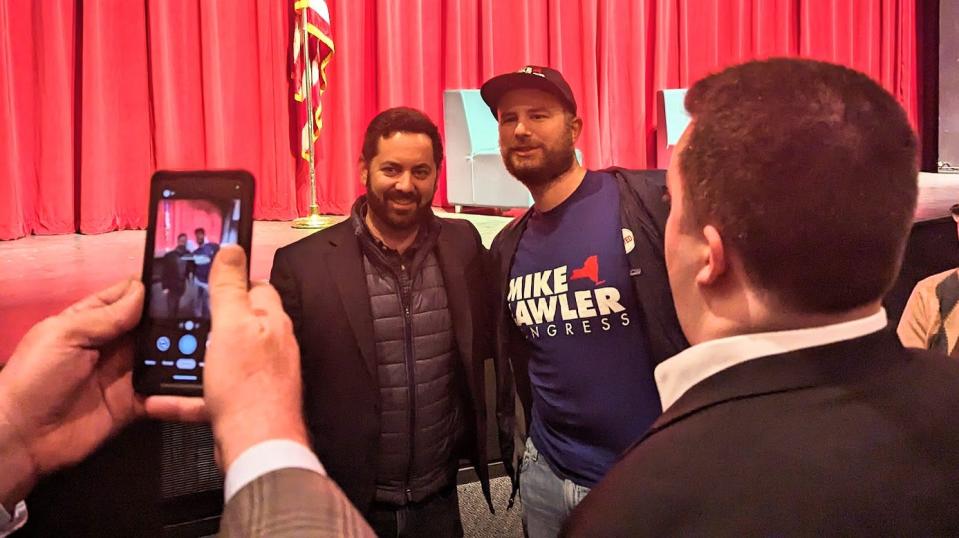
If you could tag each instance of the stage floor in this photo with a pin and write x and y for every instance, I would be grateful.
(41, 275)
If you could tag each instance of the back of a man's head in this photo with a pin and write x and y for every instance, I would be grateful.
(809, 172)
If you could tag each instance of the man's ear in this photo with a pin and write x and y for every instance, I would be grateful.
(576, 126)
(364, 171)
(716, 261)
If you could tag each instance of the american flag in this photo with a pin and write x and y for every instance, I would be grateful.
(320, 44)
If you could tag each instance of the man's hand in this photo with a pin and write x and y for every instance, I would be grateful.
(251, 378)
(252, 383)
(67, 387)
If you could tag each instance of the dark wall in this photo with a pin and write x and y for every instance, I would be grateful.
(112, 493)
(933, 248)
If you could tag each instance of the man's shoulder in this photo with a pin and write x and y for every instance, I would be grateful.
(638, 179)
(928, 284)
(933, 378)
(460, 237)
(916, 385)
(512, 229)
(319, 242)
(457, 226)
(857, 442)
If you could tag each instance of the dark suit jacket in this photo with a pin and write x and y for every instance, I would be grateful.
(292, 503)
(854, 438)
(322, 282)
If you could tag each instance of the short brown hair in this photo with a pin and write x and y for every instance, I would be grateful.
(400, 119)
(809, 171)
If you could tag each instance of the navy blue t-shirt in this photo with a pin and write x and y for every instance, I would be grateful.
(571, 295)
(203, 270)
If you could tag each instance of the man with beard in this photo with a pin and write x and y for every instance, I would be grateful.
(389, 311)
(173, 276)
(583, 310)
(203, 257)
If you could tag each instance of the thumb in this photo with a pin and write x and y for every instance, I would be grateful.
(228, 283)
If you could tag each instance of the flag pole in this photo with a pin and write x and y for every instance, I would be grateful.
(313, 220)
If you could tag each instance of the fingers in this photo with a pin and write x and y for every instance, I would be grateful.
(228, 283)
(104, 316)
(102, 297)
(176, 409)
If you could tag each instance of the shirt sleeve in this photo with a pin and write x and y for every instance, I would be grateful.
(264, 458)
(918, 320)
(9, 524)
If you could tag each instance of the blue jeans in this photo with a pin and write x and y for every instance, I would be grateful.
(547, 498)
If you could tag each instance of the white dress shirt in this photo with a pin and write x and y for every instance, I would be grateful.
(679, 373)
(266, 457)
(9, 524)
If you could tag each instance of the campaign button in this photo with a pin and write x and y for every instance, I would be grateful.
(163, 343)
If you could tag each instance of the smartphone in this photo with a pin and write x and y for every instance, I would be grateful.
(192, 214)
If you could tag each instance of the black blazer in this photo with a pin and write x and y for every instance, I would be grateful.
(854, 438)
(322, 283)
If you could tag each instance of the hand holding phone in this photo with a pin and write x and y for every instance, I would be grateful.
(191, 215)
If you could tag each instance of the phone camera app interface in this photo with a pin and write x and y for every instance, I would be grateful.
(189, 233)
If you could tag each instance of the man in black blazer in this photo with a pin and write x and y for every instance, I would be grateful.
(389, 312)
(796, 411)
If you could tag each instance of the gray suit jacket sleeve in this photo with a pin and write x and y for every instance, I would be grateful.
(292, 502)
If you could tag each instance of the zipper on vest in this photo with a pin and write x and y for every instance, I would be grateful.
(405, 300)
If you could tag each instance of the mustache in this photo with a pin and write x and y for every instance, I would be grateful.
(402, 197)
(524, 147)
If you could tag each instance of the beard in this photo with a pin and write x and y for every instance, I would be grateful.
(544, 170)
(392, 218)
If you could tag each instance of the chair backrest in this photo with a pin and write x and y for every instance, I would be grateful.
(673, 120)
(480, 124)
(470, 129)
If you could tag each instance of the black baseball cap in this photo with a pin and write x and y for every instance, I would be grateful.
(531, 77)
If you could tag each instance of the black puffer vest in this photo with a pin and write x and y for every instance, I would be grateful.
(420, 422)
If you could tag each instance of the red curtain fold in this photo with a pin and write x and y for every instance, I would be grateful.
(37, 176)
(175, 217)
(96, 95)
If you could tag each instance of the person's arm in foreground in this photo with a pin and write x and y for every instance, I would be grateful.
(275, 486)
(66, 389)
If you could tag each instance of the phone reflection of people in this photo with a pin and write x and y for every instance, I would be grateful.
(173, 276)
(931, 319)
(203, 257)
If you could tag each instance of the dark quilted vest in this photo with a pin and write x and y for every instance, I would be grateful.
(420, 420)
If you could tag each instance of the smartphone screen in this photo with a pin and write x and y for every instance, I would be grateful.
(192, 216)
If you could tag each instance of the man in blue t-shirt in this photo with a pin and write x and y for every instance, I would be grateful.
(203, 258)
(584, 306)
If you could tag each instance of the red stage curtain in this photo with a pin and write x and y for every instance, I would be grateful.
(96, 95)
(175, 217)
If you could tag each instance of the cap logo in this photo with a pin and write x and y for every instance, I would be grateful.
(533, 70)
